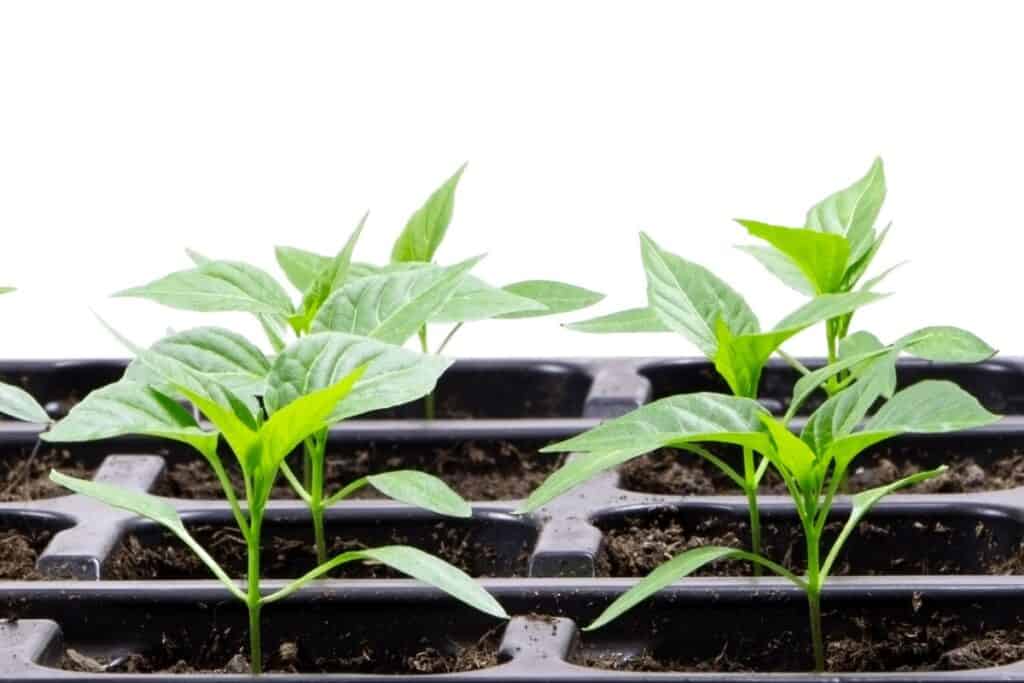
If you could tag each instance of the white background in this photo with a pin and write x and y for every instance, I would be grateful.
(129, 131)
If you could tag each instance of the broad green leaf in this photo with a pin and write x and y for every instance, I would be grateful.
(150, 507)
(128, 407)
(238, 431)
(862, 503)
(858, 344)
(689, 299)
(412, 562)
(286, 428)
(781, 266)
(841, 413)
(556, 297)
(474, 300)
(629, 320)
(422, 490)
(857, 269)
(224, 356)
(391, 307)
(330, 278)
(217, 286)
(820, 256)
(671, 422)
(18, 403)
(678, 567)
(852, 211)
(393, 375)
(824, 307)
(946, 344)
(931, 406)
(791, 452)
(426, 228)
(300, 266)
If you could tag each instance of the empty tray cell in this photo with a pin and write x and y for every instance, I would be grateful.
(489, 544)
(502, 390)
(59, 385)
(891, 540)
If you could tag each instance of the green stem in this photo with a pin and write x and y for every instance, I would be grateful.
(750, 476)
(429, 408)
(315, 454)
(817, 642)
(253, 595)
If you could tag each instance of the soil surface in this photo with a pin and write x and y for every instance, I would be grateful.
(223, 653)
(287, 557)
(672, 472)
(854, 643)
(19, 550)
(478, 471)
(25, 476)
(637, 545)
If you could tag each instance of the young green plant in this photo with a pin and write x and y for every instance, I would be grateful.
(474, 300)
(688, 299)
(831, 253)
(812, 465)
(259, 444)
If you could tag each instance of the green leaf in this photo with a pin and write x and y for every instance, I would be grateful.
(862, 503)
(689, 299)
(393, 375)
(679, 566)
(330, 278)
(821, 257)
(412, 562)
(474, 300)
(128, 407)
(931, 406)
(150, 507)
(857, 269)
(391, 307)
(858, 344)
(18, 403)
(874, 282)
(946, 344)
(629, 320)
(217, 286)
(422, 490)
(852, 211)
(300, 266)
(675, 421)
(238, 430)
(224, 356)
(791, 452)
(426, 228)
(781, 266)
(556, 297)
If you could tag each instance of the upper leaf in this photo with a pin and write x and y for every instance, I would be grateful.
(781, 266)
(474, 299)
(946, 344)
(328, 279)
(554, 297)
(852, 211)
(393, 375)
(128, 407)
(392, 306)
(690, 300)
(820, 256)
(629, 320)
(300, 266)
(426, 228)
(217, 286)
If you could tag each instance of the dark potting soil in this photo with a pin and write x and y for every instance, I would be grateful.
(286, 557)
(19, 550)
(672, 472)
(224, 652)
(479, 471)
(26, 476)
(860, 642)
(904, 546)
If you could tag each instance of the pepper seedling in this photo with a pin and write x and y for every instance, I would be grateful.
(688, 299)
(260, 445)
(392, 376)
(474, 300)
(17, 402)
(830, 253)
(812, 465)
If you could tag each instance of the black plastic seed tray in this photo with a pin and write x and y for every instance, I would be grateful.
(942, 559)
